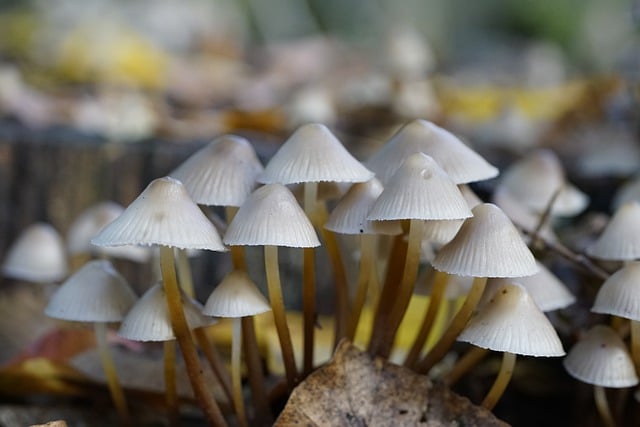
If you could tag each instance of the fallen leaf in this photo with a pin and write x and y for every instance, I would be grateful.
(356, 389)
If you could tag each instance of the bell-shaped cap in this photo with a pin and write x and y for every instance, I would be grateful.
(90, 222)
(313, 154)
(163, 214)
(236, 296)
(148, 319)
(460, 162)
(420, 189)
(271, 216)
(601, 358)
(94, 293)
(38, 255)
(511, 322)
(620, 293)
(620, 239)
(350, 214)
(223, 173)
(487, 245)
(534, 180)
(547, 291)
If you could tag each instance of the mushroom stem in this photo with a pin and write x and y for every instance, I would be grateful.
(503, 378)
(309, 281)
(455, 327)
(170, 389)
(237, 252)
(635, 343)
(256, 375)
(215, 361)
(602, 404)
(115, 389)
(236, 374)
(181, 330)
(402, 295)
(464, 364)
(279, 315)
(385, 301)
(185, 279)
(366, 275)
(437, 292)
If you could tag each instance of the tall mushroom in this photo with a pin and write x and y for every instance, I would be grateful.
(164, 215)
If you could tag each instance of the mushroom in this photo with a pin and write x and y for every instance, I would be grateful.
(620, 239)
(164, 214)
(601, 359)
(512, 323)
(98, 294)
(419, 190)
(487, 245)
(37, 255)
(350, 217)
(236, 296)
(271, 217)
(311, 155)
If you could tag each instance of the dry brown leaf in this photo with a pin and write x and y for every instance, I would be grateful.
(355, 389)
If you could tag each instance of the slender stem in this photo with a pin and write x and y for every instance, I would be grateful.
(458, 322)
(365, 276)
(393, 276)
(600, 397)
(115, 389)
(437, 292)
(170, 388)
(308, 307)
(256, 375)
(502, 380)
(185, 279)
(464, 364)
(635, 343)
(215, 361)
(237, 252)
(236, 374)
(279, 315)
(181, 330)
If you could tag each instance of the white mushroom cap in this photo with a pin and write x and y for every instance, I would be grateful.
(420, 189)
(37, 255)
(313, 154)
(520, 215)
(441, 231)
(163, 214)
(420, 136)
(620, 294)
(548, 292)
(223, 173)
(236, 296)
(511, 322)
(95, 293)
(534, 180)
(148, 319)
(350, 214)
(90, 222)
(601, 358)
(271, 216)
(620, 240)
(628, 192)
(487, 245)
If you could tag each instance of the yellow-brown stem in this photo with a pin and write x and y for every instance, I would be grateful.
(385, 303)
(236, 372)
(115, 389)
(602, 404)
(437, 292)
(502, 380)
(185, 279)
(203, 396)
(464, 364)
(279, 315)
(366, 275)
(215, 362)
(635, 343)
(308, 307)
(458, 323)
(170, 388)
(256, 376)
